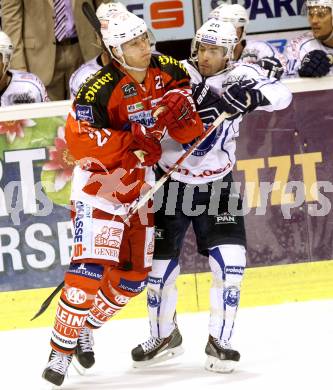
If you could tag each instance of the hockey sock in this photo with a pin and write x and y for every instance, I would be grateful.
(75, 302)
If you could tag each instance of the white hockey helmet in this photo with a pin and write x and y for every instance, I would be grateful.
(105, 9)
(320, 3)
(6, 48)
(215, 32)
(233, 13)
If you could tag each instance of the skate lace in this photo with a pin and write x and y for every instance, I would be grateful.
(59, 362)
(86, 340)
(151, 343)
(223, 343)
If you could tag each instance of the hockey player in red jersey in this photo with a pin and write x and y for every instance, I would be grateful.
(111, 119)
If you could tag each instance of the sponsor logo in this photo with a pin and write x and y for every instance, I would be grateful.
(234, 270)
(129, 90)
(109, 237)
(153, 299)
(132, 286)
(81, 211)
(165, 60)
(144, 117)
(153, 280)
(93, 89)
(159, 234)
(135, 107)
(210, 39)
(225, 218)
(121, 299)
(76, 296)
(154, 102)
(84, 113)
(92, 271)
(231, 296)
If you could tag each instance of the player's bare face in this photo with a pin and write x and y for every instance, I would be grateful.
(211, 59)
(320, 19)
(137, 52)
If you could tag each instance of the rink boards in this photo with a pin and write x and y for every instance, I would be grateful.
(262, 286)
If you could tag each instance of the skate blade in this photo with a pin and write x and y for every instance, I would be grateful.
(222, 366)
(162, 357)
(79, 369)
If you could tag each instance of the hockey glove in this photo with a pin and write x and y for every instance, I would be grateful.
(235, 100)
(178, 114)
(272, 66)
(241, 98)
(315, 64)
(145, 144)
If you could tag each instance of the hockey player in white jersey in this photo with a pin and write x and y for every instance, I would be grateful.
(17, 87)
(250, 51)
(205, 179)
(311, 54)
(91, 67)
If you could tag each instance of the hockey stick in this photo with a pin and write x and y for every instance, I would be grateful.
(165, 177)
(48, 300)
(90, 14)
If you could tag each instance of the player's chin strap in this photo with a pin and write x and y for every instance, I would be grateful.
(123, 63)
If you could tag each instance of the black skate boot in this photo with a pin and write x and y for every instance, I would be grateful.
(157, 350)
(57, 367)
(220, 356)
(84, 356)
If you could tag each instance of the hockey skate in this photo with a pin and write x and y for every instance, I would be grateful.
(156, 350)
(220, 356)
(84, 354)
(57, 367)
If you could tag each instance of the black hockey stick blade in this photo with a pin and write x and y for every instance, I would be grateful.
(47, 301)
(92, 18)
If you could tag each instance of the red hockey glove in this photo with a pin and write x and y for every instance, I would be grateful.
(146, 144)
(178, 114)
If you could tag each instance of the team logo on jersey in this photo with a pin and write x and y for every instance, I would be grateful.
(225, 218)
(129, 90)
(207, 144)
(84, 113)
(153, 299)
(231, 296)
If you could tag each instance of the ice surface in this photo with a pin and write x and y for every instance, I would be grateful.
(282, 347)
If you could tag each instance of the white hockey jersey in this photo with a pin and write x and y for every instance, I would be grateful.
(299, 47)
(215, 157)
(24, 87)
(256, 50)
(82, 73)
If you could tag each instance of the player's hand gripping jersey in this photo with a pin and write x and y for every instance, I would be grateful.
(215, 157)
(98, 130)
